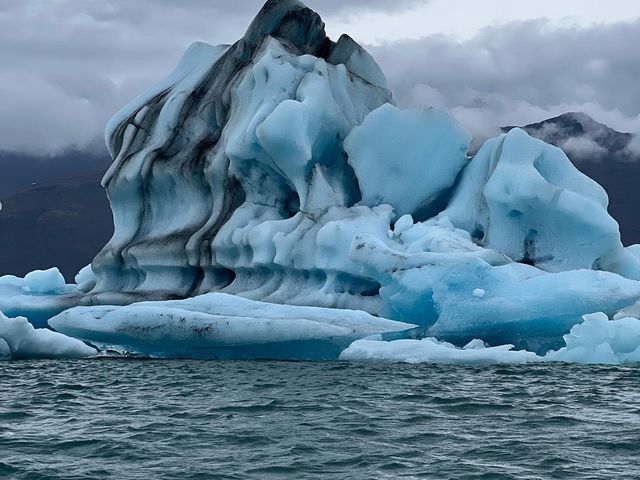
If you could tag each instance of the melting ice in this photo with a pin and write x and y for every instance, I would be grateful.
(271, 201)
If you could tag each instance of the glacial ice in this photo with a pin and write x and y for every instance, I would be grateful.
(223, 326)
(597, 340)
(38, 296)
(19, 339)
(226, 173)
(85, 279)
(524, 198)
(278, 170)
(600, 340)
(432, 274)
(431, 350)
(414, 167)
(44, 281)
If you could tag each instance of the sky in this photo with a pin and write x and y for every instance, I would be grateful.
(68, 65)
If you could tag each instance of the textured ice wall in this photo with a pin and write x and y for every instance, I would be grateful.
(226, 172)
(278, 169)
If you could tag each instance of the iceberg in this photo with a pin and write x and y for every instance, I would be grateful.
(459, 291)
(20, 340)
(431, 350)
(220, 326)
(270, 200)
(38, 296)
(597, 340)
(600, 340)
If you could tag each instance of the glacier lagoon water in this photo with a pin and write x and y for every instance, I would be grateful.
(131, 419)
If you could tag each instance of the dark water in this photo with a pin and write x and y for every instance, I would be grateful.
(189, 420)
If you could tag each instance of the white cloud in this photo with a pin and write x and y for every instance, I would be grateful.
(582, 147)
(522, 73)
(634, 145)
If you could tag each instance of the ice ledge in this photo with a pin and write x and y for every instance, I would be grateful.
(221, 326)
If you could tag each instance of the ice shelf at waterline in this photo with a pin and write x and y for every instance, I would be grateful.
(222, 326)
(279, 170)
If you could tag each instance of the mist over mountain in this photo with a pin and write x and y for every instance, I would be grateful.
(585, 140)
(23, 170)
(54, 210)
(48, 200)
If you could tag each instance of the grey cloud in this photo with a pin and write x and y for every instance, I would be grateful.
(69, 65)
(582, 147)
(522, 73)
(633, 148)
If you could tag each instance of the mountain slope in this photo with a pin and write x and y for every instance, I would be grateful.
(22, 170)
(63, 222)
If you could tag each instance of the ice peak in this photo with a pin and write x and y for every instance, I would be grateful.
(292, 21)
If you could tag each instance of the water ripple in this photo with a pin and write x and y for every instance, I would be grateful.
(243, 420)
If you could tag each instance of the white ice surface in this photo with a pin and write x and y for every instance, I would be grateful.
(597, 340)
(20, 340)
(435, 276)
(224, 326)
(44, 281)
(430, 350)
(525, 199)
(274, 170)
(85, 279)
(38, 296)
(407, 158)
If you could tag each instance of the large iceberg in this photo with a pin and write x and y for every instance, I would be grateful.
(278, 170)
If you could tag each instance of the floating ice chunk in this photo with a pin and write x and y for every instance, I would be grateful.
(407, 158)
(225, 327)
(236, 153)
(273, 169)
(430, 350)
(475, 344)
(44, 282)
(599, 340)
(18, 340)
(596, 340)
(38, 297)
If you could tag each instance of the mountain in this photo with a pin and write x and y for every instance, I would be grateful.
(604, 154)
(61, 222)
(48, 200)
(23, 170)
(583, 139)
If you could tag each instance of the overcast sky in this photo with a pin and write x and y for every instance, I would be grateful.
(67, 65)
